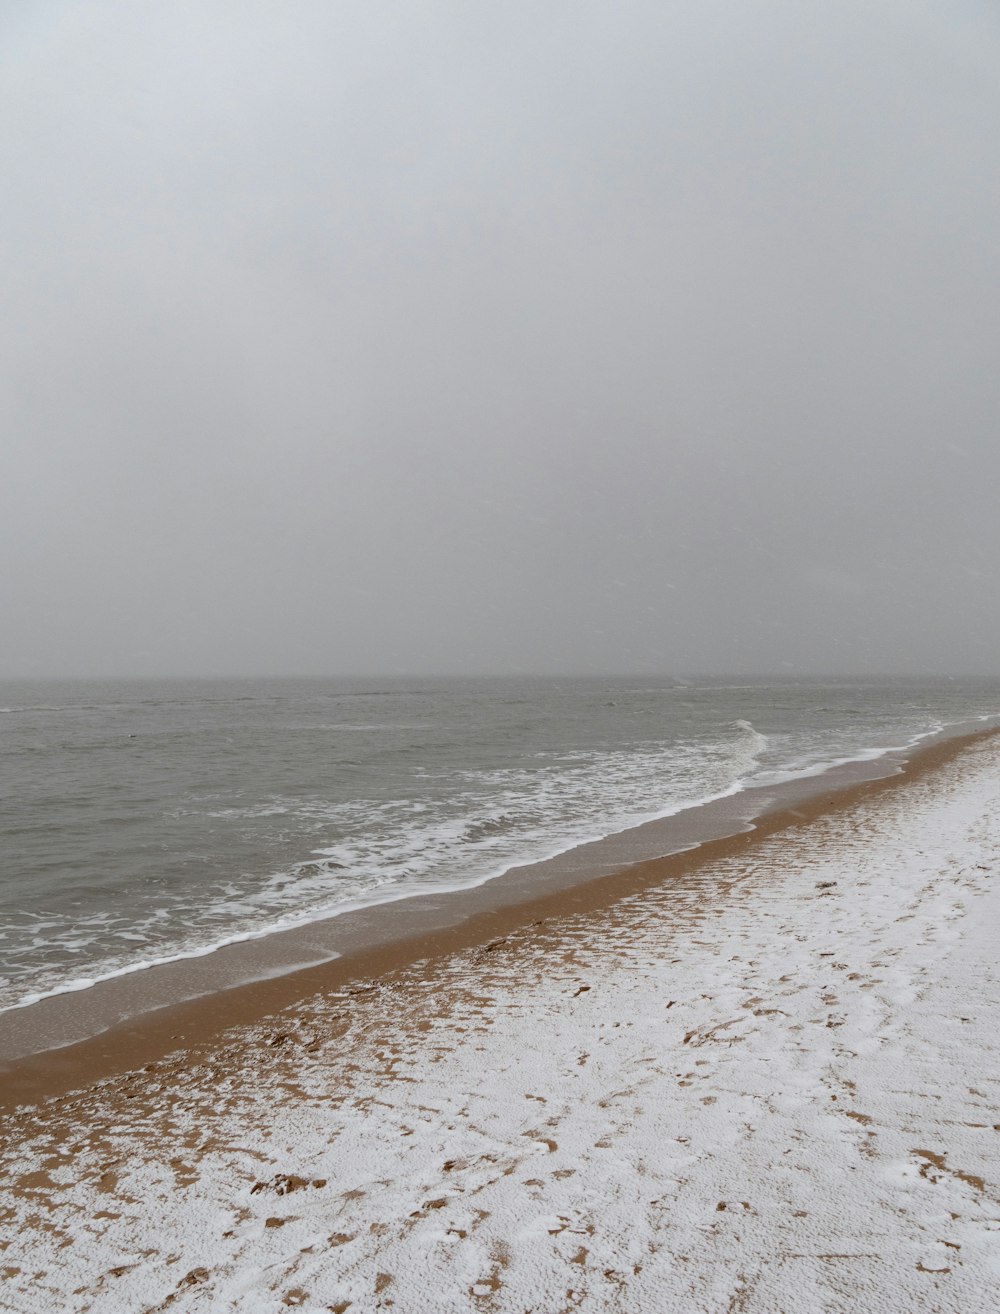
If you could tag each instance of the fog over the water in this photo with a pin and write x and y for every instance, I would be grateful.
(452, 336)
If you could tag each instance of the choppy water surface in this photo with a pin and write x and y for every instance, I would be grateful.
(144, 821)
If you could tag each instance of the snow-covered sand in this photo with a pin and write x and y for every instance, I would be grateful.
(775, 1087)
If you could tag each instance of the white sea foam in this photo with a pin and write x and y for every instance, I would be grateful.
(820, 763)
(162, 960)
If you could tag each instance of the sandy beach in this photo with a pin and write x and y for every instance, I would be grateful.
(499, 692)
(761, 1077)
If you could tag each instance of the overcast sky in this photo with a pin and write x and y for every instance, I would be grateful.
(544, 336)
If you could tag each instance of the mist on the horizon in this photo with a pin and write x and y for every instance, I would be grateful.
(364, 338)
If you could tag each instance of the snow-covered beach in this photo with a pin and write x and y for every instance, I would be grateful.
(771, 1086)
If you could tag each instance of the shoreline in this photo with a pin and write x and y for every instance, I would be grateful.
(138, 1019)
(767, 1082)
(824, 774)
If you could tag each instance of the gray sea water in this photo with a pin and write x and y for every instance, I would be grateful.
(142, 822)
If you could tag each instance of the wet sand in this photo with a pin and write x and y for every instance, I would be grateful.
(73, 1040)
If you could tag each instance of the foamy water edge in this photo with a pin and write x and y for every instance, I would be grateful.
(376, 898)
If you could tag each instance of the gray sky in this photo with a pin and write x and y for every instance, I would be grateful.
(460, 336)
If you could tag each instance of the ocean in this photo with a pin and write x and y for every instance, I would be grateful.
(143, 822)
